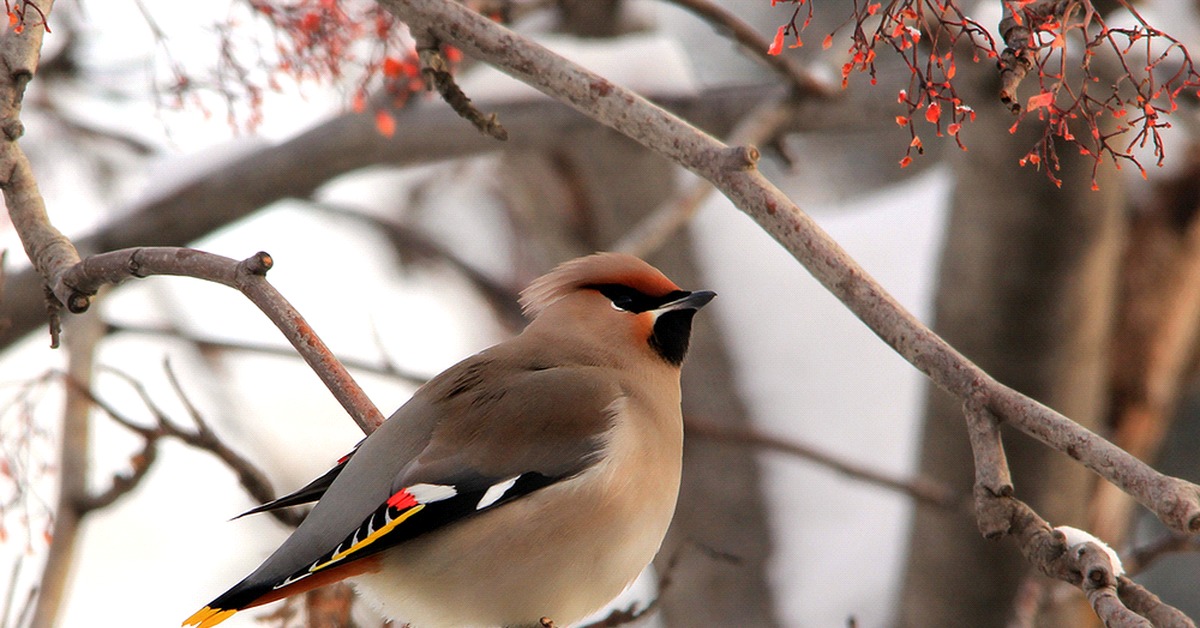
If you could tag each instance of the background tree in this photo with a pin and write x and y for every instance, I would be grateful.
(1034, 282)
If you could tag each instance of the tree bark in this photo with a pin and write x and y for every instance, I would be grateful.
(1027, 291)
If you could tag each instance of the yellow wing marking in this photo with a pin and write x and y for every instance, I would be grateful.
(371, 538)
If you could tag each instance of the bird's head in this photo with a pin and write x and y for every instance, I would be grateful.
(616, 298)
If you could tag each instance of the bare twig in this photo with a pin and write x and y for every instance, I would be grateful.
(1087, 566)
(253, 480)
(436, 71)
(919, 488)
(211, 344)
(247, 276)
(992, 479)
(1020, 37)
(123, 483)
(1138, 559)
(802, 82)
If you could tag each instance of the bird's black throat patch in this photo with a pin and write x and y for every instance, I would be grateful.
(671, 333)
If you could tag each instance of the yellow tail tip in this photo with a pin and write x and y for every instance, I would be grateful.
(208, 617)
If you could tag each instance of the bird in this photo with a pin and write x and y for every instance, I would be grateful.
(533, 480)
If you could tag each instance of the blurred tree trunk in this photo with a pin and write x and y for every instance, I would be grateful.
(581, 198)
(1156, 331)
(1027, 289)
(584, 195)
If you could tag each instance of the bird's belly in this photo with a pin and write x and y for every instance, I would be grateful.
(533, 562)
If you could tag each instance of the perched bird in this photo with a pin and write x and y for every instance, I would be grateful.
(533, 479)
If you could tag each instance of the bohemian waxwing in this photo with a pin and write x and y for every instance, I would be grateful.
(534, 479)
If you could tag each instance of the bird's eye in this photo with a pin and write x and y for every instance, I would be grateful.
(623, 298)
(623, 302)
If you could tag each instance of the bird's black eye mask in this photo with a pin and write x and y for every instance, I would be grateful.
(631, 300)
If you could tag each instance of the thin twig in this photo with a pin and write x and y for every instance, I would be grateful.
(1138, 559)
(249, 277)
(386, 368)
(438, 77)
(803, 83)
(922, 489)
(252, 479)
(992, 478)
(124, 483)
(1085, 565)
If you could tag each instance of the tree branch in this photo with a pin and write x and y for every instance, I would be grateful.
(50, 251)
(919, 488)
(802, 82)
(1176, 502)
(249, 277)
(1114, 598)
(205, 344)
(253, 480)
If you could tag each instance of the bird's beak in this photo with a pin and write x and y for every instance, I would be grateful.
(692, 301)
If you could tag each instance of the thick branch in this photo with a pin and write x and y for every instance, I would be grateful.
(1176, 502)
(51, 253)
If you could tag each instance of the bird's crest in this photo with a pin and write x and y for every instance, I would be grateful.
(597, 269)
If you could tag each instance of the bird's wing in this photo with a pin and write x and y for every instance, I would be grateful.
(482, 434)
(310, 492)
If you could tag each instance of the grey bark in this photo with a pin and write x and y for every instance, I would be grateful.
(1026, 291)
